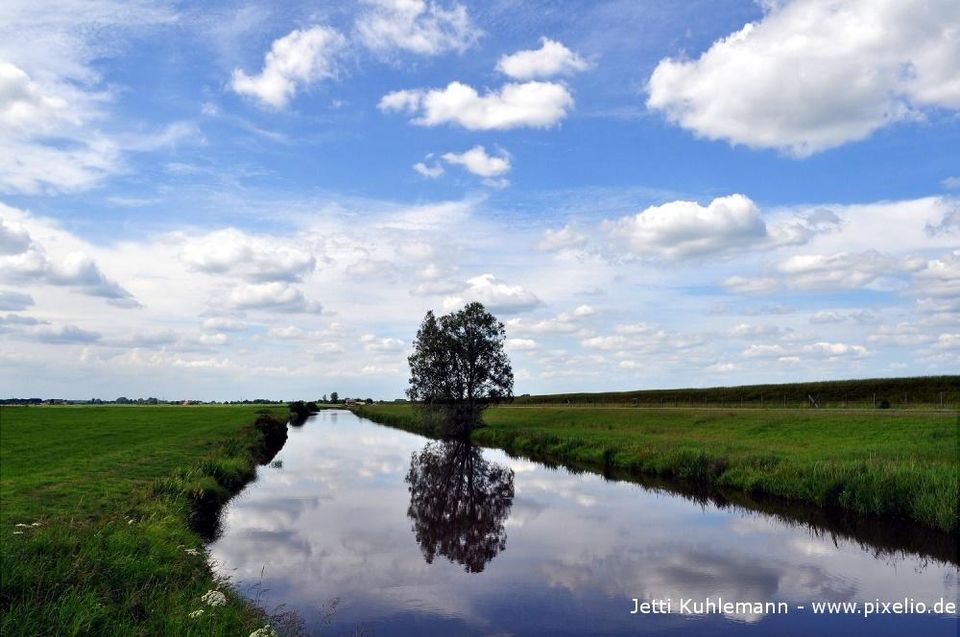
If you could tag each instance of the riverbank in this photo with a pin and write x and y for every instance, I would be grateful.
(890, 463)
(102, 510)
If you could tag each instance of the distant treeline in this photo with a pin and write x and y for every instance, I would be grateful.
(867, 393)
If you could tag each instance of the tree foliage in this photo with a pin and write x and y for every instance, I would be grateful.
(459, 366)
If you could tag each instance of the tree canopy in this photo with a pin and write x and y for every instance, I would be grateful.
(459, 364)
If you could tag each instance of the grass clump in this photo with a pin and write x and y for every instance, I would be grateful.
(99, 516)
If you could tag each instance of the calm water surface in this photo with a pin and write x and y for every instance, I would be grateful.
(414, 537)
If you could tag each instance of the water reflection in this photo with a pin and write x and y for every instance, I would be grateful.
(458, 503)
(334, 521)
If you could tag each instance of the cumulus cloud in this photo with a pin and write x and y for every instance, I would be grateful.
(562, 323)
(685, 229)
(840, 270)
(820, 350)
(430, 172)
(566, 238)
(477, 161)
(24, 261)
(900, 335)
(552, 58)
(514, 105)
(295, 61)
(271, 297)
(223, 324)
(641, 337)
(815, 74)
(496, 295)
(842, 316)
(750, 285)
(373, 343)
(417, 26)
(520, 344)
(254, 258)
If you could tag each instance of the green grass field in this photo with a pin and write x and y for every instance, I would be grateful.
(95, 504)
(886, 462)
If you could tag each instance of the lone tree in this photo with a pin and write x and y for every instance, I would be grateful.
(458, 368)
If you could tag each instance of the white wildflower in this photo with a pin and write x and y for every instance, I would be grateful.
(214, 598)
(266, 631)
(18, 532)
(21, 525)
(193, 552)
(35, 524)
(196, 613)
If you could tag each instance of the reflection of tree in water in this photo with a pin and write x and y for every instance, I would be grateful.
(458, 503)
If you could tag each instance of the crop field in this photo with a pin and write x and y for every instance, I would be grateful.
(894, 463)
(95, 504)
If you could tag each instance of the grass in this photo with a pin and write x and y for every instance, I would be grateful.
(98, 507)
(923, 392)
(899, 464)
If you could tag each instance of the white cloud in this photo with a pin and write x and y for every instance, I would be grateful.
(520, 344)
(552, 58)
(24, 260)
(567, 237)
(254, 258)
(685, 229)
(750, 285)
(272, 297)
(496, 295)
(295, 61)
(373, 343)
(477, 161)
(951, 182)
(814, 74)
(947, 341)
(842, 316)
(294, 333)
(223, 324)
(900, 335)
(841, 270)
(563, 323)
(533, 104)
(417, 26)
(430, 172)
(53, 103)
(820, 350)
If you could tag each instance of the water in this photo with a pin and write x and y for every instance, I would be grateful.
(407, 537)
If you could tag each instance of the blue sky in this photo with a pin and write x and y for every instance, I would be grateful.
(234, 200)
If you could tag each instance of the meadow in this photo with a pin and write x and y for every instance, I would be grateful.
(99, 510)
(893, 463)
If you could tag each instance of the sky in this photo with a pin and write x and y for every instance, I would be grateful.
(229, 200)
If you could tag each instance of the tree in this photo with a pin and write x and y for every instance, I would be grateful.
(459, 367)
(334, 398)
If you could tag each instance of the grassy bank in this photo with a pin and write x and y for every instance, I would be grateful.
(98, 511)
(891, 463)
